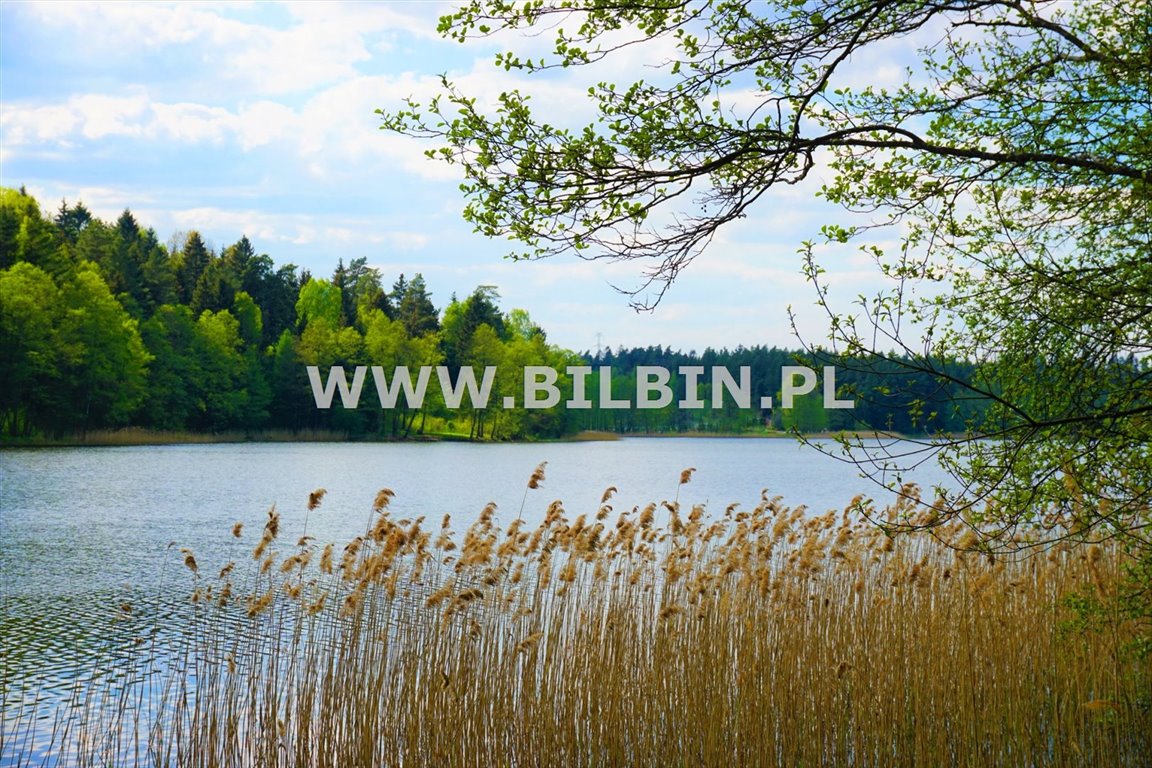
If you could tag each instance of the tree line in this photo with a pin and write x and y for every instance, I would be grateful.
(104, 326)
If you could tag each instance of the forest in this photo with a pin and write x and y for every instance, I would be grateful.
(103, 326)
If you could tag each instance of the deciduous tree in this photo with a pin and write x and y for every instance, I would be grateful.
(1013, 164)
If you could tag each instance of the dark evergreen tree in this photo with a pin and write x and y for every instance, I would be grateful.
(125, 271)
(365, 292)
(277, 299)
(213, 290)
(416, 310)
(71, 221)
(341, 280)
(274, 289)
(157, 270)
(194, 259)
(241, 265)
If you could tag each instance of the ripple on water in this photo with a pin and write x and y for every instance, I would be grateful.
(58, 650)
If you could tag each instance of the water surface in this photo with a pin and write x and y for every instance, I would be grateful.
(90, 566)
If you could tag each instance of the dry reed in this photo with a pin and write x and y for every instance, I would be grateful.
(764, 637)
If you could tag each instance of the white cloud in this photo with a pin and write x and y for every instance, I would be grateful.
(334, 133)
(417, 19)
(297, 59)
(305, 235)
(228, 225)
(322, 43)
(264, 122)
(92, 116)
(189, 123)
(292, 92)
(338, 130)
(50, 123)
(406, 241)
(111, 24)
(255, 224)
(106, 203)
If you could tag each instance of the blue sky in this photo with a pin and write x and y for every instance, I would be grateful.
(258, 119)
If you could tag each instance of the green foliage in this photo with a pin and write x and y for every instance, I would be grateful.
(173, 396)
(274, 290)
(807, 414)
(71, 220)
(24, 233)
(223, 398)
(105, 362)
(78, 355)
(1014, 165)
(247, 312)
(462, 319)
(291, 405)
(30, 350)
(213, 292)
(193, 260)
(518, 325)
(413, 306)
(388, 344)
(320, 302)
(361, 291)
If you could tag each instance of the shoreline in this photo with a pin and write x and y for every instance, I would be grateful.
(136, 436)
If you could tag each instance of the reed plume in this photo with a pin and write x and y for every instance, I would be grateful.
(764, 635)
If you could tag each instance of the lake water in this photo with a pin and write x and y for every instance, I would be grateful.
(86, 530)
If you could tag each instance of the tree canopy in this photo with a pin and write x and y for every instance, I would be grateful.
(1011, 163)
(76, 356)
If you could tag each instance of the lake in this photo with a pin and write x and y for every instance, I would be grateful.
(87, 530)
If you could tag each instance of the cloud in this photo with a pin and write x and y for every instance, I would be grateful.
(297, 59)
(255, 224)
(406, 241)
(259, 119)
(311, 229)
(108, 26)
(53, 123)
(190, 123)
(91, 116)
(263, 122)
(255, 45)
(104, 202)
(334, 133)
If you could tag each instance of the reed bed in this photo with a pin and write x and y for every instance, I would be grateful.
(141, 436)
(659, 636)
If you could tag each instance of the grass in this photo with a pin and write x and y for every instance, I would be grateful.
(141, 436)
(592, 435)
(660, 636)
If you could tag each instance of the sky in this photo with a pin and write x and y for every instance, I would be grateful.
(259, 119)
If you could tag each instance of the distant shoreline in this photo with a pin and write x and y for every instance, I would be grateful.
(134, 436)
